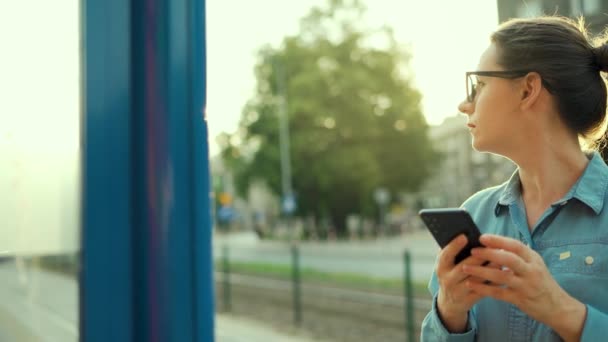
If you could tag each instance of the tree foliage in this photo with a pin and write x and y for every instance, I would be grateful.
(354, 117)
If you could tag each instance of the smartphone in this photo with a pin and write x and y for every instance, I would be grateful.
(445, 224)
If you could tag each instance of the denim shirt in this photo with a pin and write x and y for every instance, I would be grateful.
(572, 238)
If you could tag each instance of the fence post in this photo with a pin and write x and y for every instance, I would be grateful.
(295, 267)
(409, 298)
(226, 279)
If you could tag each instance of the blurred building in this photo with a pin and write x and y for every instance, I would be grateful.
(462, 171)
(594, 11)
(259, 209)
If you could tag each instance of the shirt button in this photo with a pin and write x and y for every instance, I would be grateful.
(589, 260)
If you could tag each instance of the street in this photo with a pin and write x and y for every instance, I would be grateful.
(377, 258)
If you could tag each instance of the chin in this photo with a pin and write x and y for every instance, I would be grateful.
(481, 146)
(477, 145)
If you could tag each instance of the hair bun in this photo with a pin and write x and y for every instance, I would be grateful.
(601, 57)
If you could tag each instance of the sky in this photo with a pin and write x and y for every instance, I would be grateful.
(445, 37)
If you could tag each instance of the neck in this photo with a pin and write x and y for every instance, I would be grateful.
(549, 157)
(548, 171)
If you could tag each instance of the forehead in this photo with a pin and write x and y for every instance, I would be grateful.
(489, 59)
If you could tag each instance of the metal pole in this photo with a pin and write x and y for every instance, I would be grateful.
(297, 300)
(226, 279)
(382, 229)
(286, 185)
(283, 131)
(409, 298)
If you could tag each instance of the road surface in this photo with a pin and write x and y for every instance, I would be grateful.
(378, 258)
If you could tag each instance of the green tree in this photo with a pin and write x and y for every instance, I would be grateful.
(354, 117)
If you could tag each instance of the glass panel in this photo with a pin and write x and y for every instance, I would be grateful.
(336, 77)
(39, 170)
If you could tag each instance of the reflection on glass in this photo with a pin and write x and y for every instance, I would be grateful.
(39, 170)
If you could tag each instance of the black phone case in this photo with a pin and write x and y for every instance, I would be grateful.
(447, 223)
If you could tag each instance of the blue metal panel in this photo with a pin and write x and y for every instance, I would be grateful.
(147, 261)
(152, 171)
(203, 259)
(169, 168)
(181, 303)
(105, 277)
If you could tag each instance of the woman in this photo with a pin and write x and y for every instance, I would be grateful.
(538, 99)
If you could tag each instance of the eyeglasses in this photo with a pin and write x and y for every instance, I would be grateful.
(472, 81)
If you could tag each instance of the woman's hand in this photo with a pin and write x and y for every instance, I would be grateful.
(525, 281)
(455, 299)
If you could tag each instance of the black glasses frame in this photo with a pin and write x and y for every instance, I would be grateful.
(472, 86)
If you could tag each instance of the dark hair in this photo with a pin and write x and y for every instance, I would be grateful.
(560, 50)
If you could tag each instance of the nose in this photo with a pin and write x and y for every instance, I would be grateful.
(466, 107)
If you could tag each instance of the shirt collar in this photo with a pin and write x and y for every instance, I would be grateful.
(590, 188)
(512, 191)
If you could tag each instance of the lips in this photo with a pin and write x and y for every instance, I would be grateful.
(471, 125)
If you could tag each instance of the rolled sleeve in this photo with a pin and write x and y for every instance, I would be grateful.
(596, 325)
(434, 330)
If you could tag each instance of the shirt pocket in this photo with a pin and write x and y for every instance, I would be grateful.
(585, 258)
(581, 269)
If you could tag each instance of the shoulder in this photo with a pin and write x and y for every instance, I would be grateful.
(483, 207)
(485, 199)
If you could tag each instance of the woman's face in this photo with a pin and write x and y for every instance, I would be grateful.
(493, 112)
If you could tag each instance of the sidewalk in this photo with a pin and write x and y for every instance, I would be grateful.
(230, 328)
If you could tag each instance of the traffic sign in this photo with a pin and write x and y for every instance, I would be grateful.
(225, 213)
(382, 196)
(289, 204)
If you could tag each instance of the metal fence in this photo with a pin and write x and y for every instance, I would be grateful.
(334, 312)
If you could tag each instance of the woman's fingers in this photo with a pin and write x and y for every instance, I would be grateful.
(501, 257)
(449, 252)
(499, 292)
(481, 280)
(452, 278)
(497, 276)
(507, 244)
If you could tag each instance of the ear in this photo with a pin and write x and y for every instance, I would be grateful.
(531, 87)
